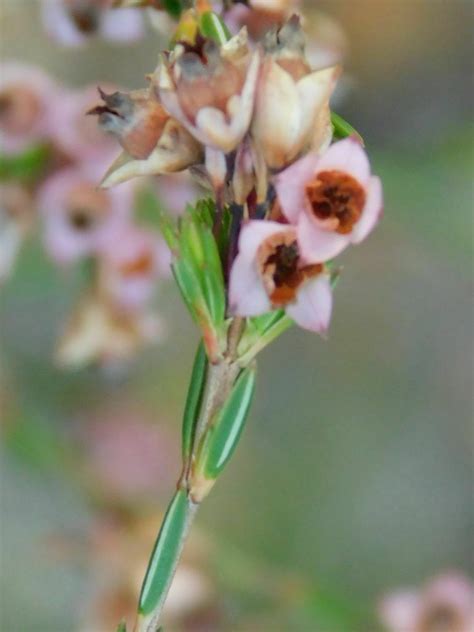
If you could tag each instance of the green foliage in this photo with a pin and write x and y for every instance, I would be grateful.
(122, 627)
(223, 436)
(343, 129)
(213, 27)
(173, 7)
(165, 554)
(193, 400)
(26, 167)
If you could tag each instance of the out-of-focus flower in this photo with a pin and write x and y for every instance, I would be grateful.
(100, 332)
(128, 273)
(445, 604)
(74, 22)
(77, 135)
(176, 191)
(128, 457)
(119, 553)
(332, 199)
(259, 16)
(270, 273)
(16, 219)
(211, 89)
(26, 118)
(78, 218)
(292, 103)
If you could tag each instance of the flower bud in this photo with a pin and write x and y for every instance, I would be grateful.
(292, 102)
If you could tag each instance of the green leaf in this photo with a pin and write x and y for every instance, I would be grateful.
(150, 212)
(213, 27)
(223, 436)
(165, 554)
(343, 129)
(26, 167)
(122, 626)
(173, 7)
(193, 400)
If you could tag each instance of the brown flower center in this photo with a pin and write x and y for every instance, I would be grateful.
(19, 109)
(337, 200)
(442, 618)
(86, 18)
(143, 264)
(87, 207)
(280, 265)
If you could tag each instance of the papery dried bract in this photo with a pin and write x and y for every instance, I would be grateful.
(292, 103)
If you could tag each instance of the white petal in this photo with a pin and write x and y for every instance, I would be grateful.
(371, 213)
(319, 245)
(348, 156)
(313, 306)
(122, 25)
(254, 232)
(247, 295)
(291, 183)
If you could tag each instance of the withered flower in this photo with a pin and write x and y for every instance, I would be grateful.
(211, 89)
(292, 102)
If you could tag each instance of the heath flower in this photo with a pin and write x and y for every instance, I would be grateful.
(25, 113)
(445, 604)
(211, 89)
(74, 22)
(78, 218)
(128, 274)
(292, 102)
(332, 199)
(270, 273)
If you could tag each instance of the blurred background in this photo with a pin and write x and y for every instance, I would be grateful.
(354, 475)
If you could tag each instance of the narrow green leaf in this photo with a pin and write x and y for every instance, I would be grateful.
(193, 400)
(223, 437)
(165, 554)
(343, 129)
(122, 627)
(213, 27)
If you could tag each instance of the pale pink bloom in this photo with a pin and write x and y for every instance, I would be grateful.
(445, 604)
(332, 199)
(78, 218)
(127, 455)
(76, 134)
(270, 273)
(26, 95)
(74, 22)
(131, 262)
(176, 191)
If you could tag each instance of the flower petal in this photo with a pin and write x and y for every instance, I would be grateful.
(291, 183)
(348, 156)
(371, 213)
(247, 295)
(253, 233)
(313, 306)
(319, 245)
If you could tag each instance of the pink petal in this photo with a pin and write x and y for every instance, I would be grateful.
(399, 611)
(371, 213)
(348, 156)
(122, 25)
(247, 296)
(318, 245)
(291, 183)
(58, 24)
(254, 233)
(313, 306)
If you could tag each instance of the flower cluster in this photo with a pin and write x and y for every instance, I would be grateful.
(253, 121)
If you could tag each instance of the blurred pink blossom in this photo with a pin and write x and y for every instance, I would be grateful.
(130, 264)
(444, 604)
(78, 218)
(74, 22)
(176, 191)
(26, 94)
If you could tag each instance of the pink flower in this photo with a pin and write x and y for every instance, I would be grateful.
(78, 218)
(128, 274)
(74, 22)
(25, 113)
(176, 191)
(270, 273)
(445, 604)
(332, 199)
